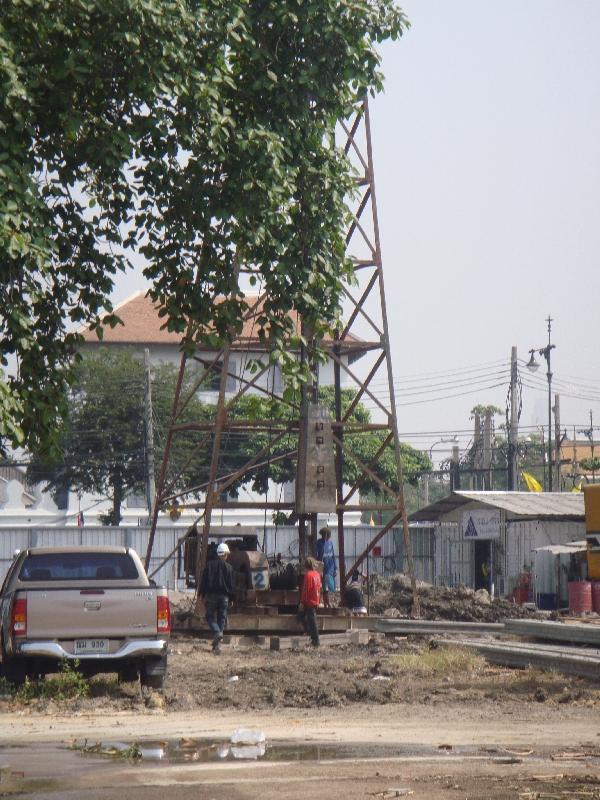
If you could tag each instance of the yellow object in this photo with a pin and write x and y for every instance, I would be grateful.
(591, 499)
(532, 484)
(576, 488)
(372, 522)
(593, 565)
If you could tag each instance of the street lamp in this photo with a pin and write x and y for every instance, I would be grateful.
(452, 440)
(533, 365)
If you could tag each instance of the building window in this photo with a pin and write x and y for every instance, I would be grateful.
(136, 501)
(213, 381)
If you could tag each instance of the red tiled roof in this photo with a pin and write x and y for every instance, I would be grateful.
(142, 325)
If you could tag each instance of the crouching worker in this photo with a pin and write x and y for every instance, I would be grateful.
(216, 587)
(309, 601)
(353, 596)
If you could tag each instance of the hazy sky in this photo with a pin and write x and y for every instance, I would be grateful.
(487, 163)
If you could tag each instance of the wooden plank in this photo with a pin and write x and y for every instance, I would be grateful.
(263, 624)
(327, 640)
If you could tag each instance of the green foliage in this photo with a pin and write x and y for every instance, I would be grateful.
(484, 410)
(590, 464)
(69, 684)
(207, 141)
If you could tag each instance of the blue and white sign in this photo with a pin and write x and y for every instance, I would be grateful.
(481, 524)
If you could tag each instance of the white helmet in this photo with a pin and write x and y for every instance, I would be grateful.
(222, 549)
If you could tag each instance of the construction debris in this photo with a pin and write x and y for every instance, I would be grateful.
(392, 597)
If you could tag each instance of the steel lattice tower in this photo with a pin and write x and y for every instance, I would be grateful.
(365, 311)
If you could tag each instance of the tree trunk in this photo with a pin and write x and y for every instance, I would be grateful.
(117, 486)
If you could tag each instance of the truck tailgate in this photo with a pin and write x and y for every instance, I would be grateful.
(73, 613)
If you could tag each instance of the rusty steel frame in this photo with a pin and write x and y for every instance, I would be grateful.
(363, 231)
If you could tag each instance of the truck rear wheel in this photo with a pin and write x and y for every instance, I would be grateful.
(152, 681)
(128, 674)
(11, 669)
(153, 673)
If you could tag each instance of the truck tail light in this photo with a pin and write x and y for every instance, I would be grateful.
(163, 615)
(18, 617)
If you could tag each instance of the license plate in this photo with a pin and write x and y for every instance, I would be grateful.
(87, 646)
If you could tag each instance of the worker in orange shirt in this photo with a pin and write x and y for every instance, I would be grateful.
(309, 601)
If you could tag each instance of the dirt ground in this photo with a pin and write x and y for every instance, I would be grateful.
(436, 723)
(386, 671)
(423, 721)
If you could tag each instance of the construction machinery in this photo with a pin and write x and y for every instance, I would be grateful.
(260, 585)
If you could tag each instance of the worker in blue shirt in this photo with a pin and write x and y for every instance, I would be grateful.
(326, 554)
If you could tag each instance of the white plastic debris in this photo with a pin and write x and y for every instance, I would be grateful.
(223, 750)
(380, 678)
(249, 751)
(153, 753)
(247, 736)
(233, 679)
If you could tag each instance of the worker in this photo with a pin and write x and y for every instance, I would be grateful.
(326, 554)
(216, 587)
(486, 571)
(309, 601)
(353, 596)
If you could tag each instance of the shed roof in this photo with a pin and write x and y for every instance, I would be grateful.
(563, 549)
(517, 505)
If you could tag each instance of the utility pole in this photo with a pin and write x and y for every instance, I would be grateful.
(487, 450)
(557, 440)
(513, 424)
(592, 446)
(455, 469)
(478, 450)
(149, 437)
(533, 365)
(589, 435)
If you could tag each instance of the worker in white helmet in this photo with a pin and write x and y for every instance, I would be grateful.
(216, 587)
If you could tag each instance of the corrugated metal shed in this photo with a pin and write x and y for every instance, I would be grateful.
(517, 505)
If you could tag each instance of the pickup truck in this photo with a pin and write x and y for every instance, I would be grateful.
(93, 605)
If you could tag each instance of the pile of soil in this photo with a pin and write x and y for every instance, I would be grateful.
(393, 597)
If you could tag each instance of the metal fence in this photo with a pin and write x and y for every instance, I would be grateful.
(387, 557)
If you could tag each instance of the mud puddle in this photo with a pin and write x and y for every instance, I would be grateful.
(76, 756)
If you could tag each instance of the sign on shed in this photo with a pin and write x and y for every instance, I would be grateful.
(481, 523)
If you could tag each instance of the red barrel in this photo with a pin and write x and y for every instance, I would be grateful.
(521, 594)
(596, 596)
(580, 596)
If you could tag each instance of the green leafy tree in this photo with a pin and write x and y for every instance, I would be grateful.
(590, 464)
(103, 441)
(198, 135)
